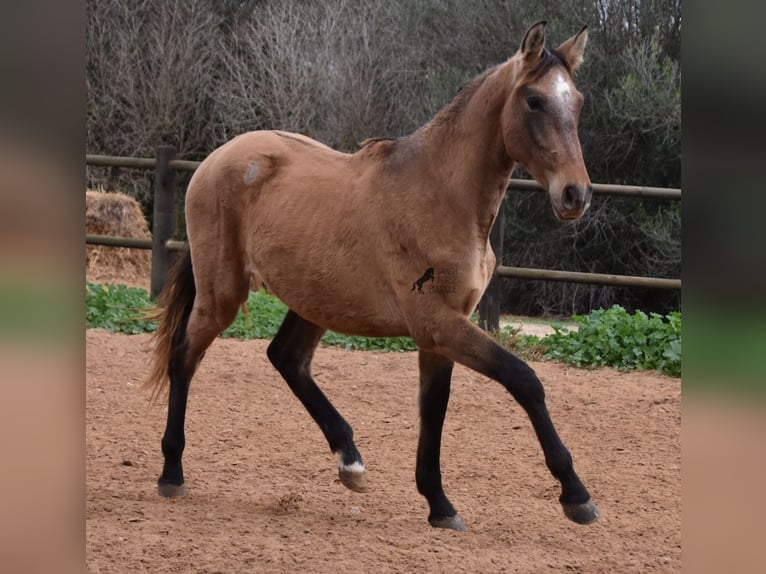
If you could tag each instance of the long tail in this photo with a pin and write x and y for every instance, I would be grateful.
(175, 305)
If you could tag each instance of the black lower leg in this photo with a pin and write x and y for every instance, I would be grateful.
(435, 377)
(522, 382)
(464, 342)
(171, 482)
(291, 353)
(339, 434)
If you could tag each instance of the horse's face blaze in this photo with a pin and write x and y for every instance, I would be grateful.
(540, 129)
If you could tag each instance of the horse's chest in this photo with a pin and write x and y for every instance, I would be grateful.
(479, 269)
(476, 276)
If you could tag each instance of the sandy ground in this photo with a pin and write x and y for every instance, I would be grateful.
(263, 494)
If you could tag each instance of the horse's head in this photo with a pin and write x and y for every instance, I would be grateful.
(540, 120)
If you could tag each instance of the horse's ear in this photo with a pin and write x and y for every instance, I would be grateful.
(534, 41)
(574, 48)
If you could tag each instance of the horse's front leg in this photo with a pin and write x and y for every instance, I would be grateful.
(463, 342)
(435, 377)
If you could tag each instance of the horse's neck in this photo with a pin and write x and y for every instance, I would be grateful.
(464, 146)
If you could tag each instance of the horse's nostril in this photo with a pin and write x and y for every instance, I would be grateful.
(571, 197)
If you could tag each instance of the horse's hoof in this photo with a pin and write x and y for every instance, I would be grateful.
(353, 477)
(448, 522)
(167, 490)
(583, 513)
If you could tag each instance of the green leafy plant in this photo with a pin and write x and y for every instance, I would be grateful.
(354, 343)
(118, 308)
(613, 337)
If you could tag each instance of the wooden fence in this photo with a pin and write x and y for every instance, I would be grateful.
(162, 243)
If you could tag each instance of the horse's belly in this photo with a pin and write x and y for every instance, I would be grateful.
(340, 294)
(343, 313)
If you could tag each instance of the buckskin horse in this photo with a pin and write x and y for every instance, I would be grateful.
(282, 211)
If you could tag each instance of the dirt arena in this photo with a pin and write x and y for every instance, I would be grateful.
(263, 494)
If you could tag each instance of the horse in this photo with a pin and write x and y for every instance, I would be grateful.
(284, 212)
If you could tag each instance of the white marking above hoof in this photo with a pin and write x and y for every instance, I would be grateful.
(354, 467)
(353, 476)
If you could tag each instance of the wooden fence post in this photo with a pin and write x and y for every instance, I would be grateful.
(489, 306)
(163, 225)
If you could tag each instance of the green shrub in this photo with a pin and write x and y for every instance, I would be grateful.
(615, 338)
(118, 309)
(354, 343)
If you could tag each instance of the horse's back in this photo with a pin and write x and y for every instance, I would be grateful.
(264, 167)
(254, 157)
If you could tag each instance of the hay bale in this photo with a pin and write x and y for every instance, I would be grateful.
(119, 215)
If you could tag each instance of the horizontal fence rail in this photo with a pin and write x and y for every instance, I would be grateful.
(132, 242)
(165, 165)
(138, 162)
(582, 277)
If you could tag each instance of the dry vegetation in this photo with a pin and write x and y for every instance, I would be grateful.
(119, 215)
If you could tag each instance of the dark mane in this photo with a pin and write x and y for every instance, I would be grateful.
(548, 59)
(370, 141)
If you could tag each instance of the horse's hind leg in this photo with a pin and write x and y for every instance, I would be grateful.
(209, 315)
(291, 352)
(435, 378)
(463, 342)
(186, 356)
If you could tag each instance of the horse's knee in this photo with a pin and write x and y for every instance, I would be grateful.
(526, 388)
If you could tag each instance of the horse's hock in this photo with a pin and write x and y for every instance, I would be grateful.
(118, 215)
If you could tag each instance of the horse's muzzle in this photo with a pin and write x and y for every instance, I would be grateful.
(575, 200)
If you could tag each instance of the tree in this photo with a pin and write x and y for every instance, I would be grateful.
(196, 73)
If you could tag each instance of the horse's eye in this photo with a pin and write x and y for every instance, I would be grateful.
(535, 103)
